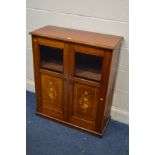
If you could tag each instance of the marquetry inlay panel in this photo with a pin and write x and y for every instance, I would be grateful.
(52, 92)
(85, 101)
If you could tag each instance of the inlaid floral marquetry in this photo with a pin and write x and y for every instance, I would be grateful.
(52, 92)
(85, 101)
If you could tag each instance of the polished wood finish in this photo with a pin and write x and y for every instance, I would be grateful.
(75, 74)
(36, 60)
(84, 105)
(52, 94)
(78, 36)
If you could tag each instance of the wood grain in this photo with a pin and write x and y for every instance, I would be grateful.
(79, 36)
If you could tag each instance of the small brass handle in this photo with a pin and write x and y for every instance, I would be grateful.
(101, 99)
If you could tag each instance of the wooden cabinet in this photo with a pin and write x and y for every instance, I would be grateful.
(75, 75)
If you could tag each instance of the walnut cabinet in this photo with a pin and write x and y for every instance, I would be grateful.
(75, 76)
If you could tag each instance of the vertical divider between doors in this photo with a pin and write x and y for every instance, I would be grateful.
(70, 81)
(65, 83)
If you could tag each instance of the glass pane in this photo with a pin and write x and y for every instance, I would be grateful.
(88, 66)
(51, 58)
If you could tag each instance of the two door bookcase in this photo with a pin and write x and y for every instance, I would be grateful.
(74, 76)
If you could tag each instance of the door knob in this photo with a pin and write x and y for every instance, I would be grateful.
(101, 99)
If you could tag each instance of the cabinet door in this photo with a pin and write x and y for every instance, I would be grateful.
(51, 70)
(85, 75)
(83, 107)
(52, 96)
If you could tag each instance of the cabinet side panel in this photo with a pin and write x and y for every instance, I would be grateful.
(111, 85)
(106, 65)
(36, 61)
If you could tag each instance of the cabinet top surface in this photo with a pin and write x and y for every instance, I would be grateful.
(79, 36)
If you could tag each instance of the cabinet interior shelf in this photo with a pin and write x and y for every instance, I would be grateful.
(52, 65)
(88, 73)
